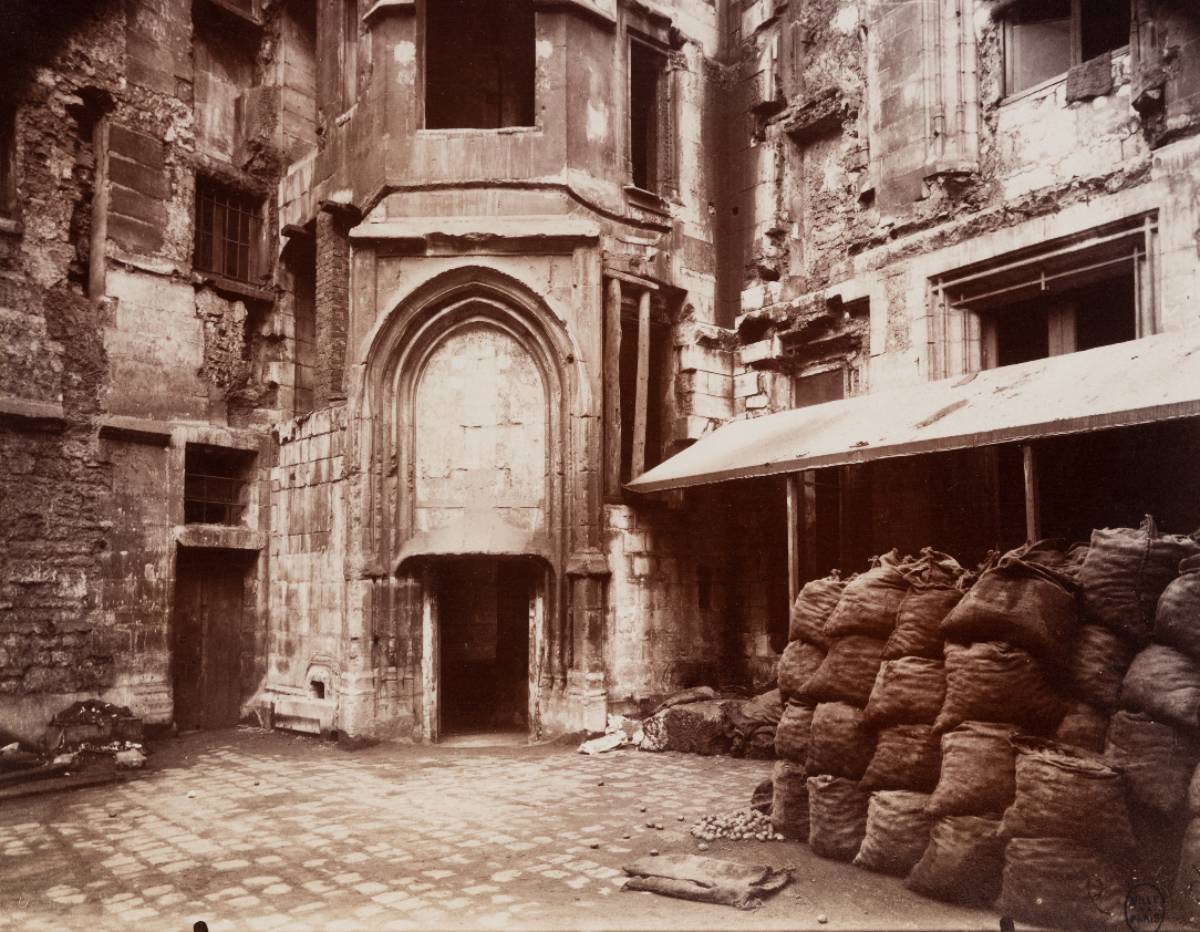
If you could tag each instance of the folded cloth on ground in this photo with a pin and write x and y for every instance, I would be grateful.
(706, 880)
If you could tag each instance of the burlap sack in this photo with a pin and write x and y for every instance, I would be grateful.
(897, 832)
(870, 601)
(1157, 760)
(847, 673)
(1083, 726)
(789, 807)
(1026, 600)
(1061, 884)
(935, 586)
(918, 630)
(1177, 619)
(837, 811)
(1097, 665)
(991, 681)
(798, 662)
(978, 773)
(794, 733)
(812, 609)
(1064, 792)
(1126, 571)
(907, 757)
(908, 691)
(962, 862)
(841, 745)
(1164, 683)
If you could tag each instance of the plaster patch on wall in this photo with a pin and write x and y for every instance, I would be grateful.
(544, 49)
(846, 20)
(597, 122)
(405, 56)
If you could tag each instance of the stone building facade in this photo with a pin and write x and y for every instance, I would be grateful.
(334, 329)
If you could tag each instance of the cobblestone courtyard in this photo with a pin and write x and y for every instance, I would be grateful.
(252, 830)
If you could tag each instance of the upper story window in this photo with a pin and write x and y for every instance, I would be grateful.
(8, 160)
(1073, 294)
(479, 64)
(650, 127)
(228, 229)
(1045, 38)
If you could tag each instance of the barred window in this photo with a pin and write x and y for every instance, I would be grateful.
(216, 484)
(228, 223)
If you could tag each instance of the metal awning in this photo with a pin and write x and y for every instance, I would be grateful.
(1139, 382)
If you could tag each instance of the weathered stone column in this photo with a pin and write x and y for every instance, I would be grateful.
(587, 691)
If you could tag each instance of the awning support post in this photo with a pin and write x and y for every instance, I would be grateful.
(1033, 512)
(793, 535)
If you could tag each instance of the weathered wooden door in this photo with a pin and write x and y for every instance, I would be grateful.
(206, 639)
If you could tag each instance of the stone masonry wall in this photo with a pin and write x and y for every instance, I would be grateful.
(307, 589)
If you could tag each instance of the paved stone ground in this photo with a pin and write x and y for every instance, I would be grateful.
(247, 829)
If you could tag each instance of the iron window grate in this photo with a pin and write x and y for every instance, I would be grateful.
(210, 499)
(228, 224)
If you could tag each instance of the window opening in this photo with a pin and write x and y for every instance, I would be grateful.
(1046, 38)
(216, 484)
(228, 225)
(479, 64)
(1073, 294)
(819, 387)
(648, 116)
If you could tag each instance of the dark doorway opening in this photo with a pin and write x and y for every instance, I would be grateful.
(206, 637)
(483, 630)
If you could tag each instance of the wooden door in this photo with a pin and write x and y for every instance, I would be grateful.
(206, 639)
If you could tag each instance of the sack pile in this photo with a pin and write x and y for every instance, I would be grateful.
(842, 742)
(801, 659)
(1145, 586)
(996, 741)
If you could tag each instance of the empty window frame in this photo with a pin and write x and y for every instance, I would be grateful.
(651, 152)
(479, 64)
(1065, 296)
(228, 228)
(8, 160)
(216, 484)
(1045, 38)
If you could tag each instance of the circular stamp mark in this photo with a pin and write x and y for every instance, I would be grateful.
(1145, 908)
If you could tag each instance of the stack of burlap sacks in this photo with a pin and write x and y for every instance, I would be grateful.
(983, 737)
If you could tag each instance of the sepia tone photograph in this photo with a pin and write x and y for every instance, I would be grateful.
(600, 465)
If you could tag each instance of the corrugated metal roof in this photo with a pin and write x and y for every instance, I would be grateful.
(1153, 379)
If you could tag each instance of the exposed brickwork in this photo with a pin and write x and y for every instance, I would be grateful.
(333, 306)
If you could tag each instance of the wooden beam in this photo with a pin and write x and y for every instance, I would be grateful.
(641, 396)
(612, 389)
(1033, 511)
(808, 564)
(793, 536)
